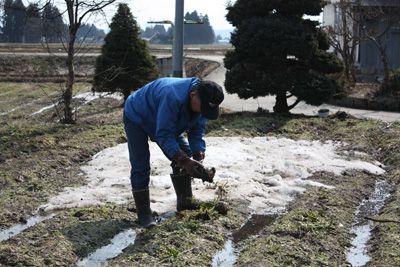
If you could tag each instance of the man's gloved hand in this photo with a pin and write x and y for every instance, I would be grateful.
(192, 167)
(199, 155)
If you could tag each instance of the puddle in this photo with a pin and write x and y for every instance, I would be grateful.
(228, 255)
(18, 228)
(254, 225)
(358, 254)
(117, 244)
(103, 254)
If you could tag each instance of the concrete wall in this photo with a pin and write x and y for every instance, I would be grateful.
(165, 66)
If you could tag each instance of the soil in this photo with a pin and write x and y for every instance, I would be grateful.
(365, 90)
(373, 92)
(39, 157)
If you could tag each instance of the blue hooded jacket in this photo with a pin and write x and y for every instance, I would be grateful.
(162, 109)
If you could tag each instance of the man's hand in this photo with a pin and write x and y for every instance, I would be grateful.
(192, 167)
(199, 155)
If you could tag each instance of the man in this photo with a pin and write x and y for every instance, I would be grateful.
(162, 111)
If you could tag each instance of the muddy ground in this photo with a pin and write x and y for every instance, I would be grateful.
(39, 157)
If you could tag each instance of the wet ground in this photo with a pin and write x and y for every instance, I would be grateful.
(40, 157)
(368, 208)
(228, 255)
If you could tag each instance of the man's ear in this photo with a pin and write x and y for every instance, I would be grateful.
(193, 93)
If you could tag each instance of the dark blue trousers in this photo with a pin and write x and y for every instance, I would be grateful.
(139, 154)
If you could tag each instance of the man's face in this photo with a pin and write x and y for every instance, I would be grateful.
(195, 102)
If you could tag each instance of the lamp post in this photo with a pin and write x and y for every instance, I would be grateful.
(177, 47)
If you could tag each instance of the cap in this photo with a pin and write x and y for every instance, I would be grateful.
(211, 96)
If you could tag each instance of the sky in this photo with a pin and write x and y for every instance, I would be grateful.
(147, 10)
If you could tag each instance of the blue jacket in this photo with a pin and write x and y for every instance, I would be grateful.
(162, 109)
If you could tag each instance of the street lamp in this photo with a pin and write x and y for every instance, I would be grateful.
(177, 50)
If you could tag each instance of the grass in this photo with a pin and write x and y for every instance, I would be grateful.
(21, 100)
(70, 235)
(385, 243)
(39, 157)
(315, 230)
(183, 240)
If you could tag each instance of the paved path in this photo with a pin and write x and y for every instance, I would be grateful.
(233, 102)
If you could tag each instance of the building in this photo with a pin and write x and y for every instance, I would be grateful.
(370, 18)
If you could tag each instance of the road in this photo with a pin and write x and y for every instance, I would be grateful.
(234, 103)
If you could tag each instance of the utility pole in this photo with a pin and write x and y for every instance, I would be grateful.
(177, 47)
(177, 53)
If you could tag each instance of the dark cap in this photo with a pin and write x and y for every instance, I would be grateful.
(211, 95)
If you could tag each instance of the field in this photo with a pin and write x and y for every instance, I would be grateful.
(40, 157)
(96, 48)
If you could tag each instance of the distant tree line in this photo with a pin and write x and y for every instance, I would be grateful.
(34, 24)
(197, 30)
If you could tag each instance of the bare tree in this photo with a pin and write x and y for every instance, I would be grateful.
(376, 22)
(344, 38)
(77, 10)
(360, 21)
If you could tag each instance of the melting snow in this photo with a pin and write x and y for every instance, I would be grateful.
(266, 171)
(87, 97)
(11, 110)
(110, 251)
(18, 228)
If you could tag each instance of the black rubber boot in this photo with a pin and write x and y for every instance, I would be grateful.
(183, 189)
(143, 211)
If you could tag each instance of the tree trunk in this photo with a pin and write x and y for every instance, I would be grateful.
(346, 56)
(67, 97)
(385, 61)
(281, 105)
(386, 71)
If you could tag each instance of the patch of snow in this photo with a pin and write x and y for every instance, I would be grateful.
(87, 97)
(44, 109)
(265, 171)
(90, 96)
(11, 110)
